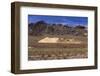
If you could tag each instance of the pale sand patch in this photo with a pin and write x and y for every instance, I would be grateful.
(49, 40)
(58, 40)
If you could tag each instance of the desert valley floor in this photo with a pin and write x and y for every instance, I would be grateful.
(57, 47)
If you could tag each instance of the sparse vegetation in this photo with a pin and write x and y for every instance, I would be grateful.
(56, 53)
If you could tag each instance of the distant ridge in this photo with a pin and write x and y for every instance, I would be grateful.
(42, 28)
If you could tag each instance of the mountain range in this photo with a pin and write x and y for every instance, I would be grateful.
(42, 28)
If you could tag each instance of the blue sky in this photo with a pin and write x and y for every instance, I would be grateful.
(72, 20)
